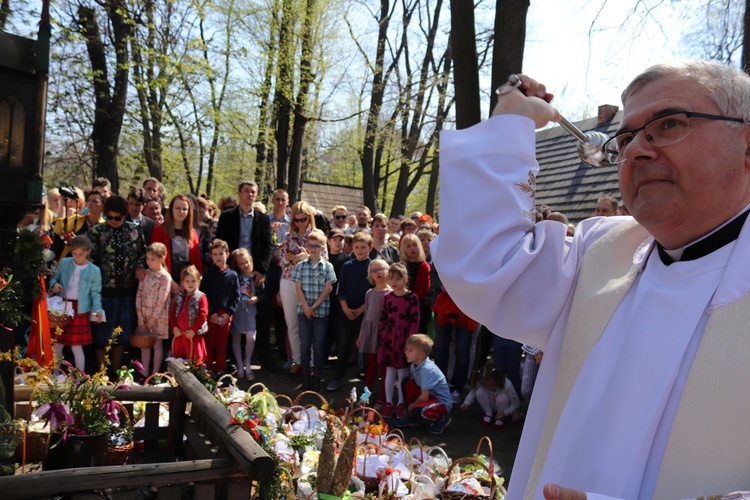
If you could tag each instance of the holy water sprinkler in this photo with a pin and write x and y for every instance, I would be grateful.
(590, 149)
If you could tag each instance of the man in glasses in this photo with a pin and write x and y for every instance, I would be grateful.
(645, 323)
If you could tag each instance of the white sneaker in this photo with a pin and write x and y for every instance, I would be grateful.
(456, 397)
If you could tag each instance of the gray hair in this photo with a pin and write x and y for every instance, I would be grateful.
(727, 87)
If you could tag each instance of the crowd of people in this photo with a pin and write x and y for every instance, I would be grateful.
(221, 283)
(641, 321)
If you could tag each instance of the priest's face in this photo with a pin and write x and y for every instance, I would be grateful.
(680, 192)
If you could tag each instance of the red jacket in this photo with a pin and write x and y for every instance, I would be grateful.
(422, 281)
(160, 235)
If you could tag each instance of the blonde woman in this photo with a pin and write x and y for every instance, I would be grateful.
(293, 251)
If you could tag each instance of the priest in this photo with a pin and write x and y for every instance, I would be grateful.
(644, 321)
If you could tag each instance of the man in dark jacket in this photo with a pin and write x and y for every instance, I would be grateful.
(245, 227)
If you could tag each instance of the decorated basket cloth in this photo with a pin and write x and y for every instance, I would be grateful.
(464, 485)
(59, 311)
(371, 430)
(118, 454)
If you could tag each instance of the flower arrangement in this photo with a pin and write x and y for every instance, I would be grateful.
(77, 404)
(71, 402)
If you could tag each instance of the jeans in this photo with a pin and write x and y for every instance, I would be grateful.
(348, 333)
(463, 347)
(312, 334)
(506, 355)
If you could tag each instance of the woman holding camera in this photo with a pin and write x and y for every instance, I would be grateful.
(74, 222)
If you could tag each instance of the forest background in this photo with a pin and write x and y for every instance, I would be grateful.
(202, 93)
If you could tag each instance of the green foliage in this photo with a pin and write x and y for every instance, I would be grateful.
(28, 264)
(301, 441)
(209, 70)
(12, 311)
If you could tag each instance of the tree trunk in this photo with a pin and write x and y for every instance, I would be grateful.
(466, 65)
(443, 108)
(263, 160)
(284, 93)
(300, 106)
(217, 97)
(510, 37)
(110, 100)
(151, 94)
(376, 102)
(4, 13)
(413, 107)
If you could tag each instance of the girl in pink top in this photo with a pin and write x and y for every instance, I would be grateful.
(152, 304)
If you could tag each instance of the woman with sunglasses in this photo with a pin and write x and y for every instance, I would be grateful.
(119, 250)
(180, 238)
(292, 252)
(338, 218)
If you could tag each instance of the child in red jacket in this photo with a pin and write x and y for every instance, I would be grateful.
(188, 318)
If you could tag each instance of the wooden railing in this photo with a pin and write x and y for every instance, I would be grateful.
(221, 459)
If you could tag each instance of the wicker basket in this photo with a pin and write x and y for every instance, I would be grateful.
(455, 495)
(157, 377)
(143, 338)
(490, 459)
(56, 322)
(118, 455)
(322, 400)
(368, 415)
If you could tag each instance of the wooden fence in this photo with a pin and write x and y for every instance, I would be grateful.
(221, 459)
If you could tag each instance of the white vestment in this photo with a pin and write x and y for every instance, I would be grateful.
(519, 280)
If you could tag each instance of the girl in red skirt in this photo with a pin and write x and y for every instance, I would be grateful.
(81, 283)
(188, 317)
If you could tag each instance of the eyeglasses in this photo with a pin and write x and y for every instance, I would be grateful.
(314, 246)
(301, 219)
(339, 216)
(377, 270)
(662, 131)
(115, 218)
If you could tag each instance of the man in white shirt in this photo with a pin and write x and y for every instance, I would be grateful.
(644, 324)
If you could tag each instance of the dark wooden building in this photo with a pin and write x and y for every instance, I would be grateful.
(23, 87)
(326, 196)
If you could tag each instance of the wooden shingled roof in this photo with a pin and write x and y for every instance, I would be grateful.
(565, 183)
(326, 196)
